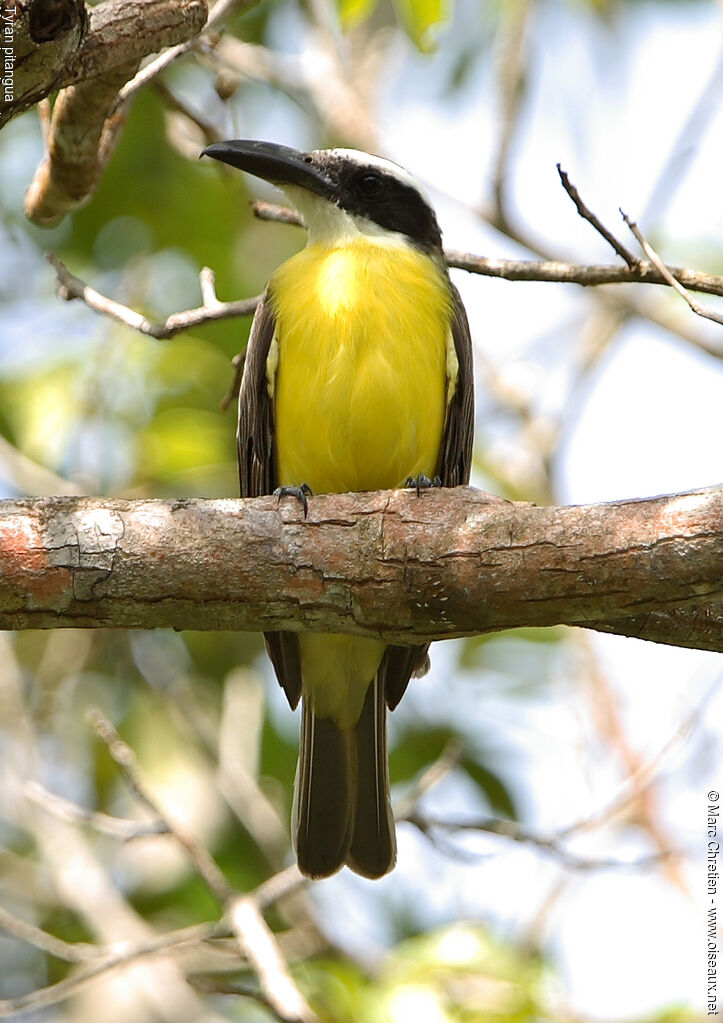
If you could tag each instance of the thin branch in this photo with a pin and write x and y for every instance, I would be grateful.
(588, 215)
(207, 280)
(687, 145)
(550, 844)
(68, 951)
(607, 716)
(238, 362)
(209, 130)
(116, 827)
(669, 273)
(260, 947)
(126, 760)
(218, 12)
(446, 762)
(510, 81)
(153, 68)
(626, 304)
(275, 213)
(551, 271)
(644, 775)
(213, 985)
(29, 477)
(255, 938)
(54, 993)
(585, 275)
(280, 885)
(72, 287)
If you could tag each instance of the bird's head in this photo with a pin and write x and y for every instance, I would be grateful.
(341, 192)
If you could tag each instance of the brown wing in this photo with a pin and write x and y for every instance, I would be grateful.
(455, 457)
(257, 469)
(455, 463)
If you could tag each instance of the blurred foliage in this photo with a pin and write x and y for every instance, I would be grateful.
(418, 748)
(353, 12)
(421, 19)
(455, 975)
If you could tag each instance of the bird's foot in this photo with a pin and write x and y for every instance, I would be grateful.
(301, 493)
(421, 482)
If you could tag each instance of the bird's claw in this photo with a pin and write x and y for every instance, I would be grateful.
(421, 482)
(301, 493)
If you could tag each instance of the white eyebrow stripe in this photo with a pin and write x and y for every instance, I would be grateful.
(388, 166)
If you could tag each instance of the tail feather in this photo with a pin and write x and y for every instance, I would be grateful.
(342, 811)
(323, 798)
(373, 849)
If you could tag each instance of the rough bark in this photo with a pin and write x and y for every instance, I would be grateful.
(55, 43)
(40, 38)
(83, 134)
(448, 563)
(100, 53)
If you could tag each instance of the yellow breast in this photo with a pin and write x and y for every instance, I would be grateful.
(360, 384)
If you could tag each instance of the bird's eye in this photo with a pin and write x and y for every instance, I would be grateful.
(371, 185)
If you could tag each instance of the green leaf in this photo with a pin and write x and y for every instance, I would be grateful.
(497, 794)
(417, 749)
(354, 12)
(420, 18)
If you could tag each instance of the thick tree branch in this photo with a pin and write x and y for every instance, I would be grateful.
(45, 37)
(86, 121)
(81, 140)
(56, 45)
(451, 563)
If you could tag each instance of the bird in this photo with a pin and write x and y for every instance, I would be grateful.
(357, 377)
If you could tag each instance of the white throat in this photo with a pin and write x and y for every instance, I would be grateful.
(328, 224)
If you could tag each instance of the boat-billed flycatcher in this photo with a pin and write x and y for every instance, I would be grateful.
(358, 375)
